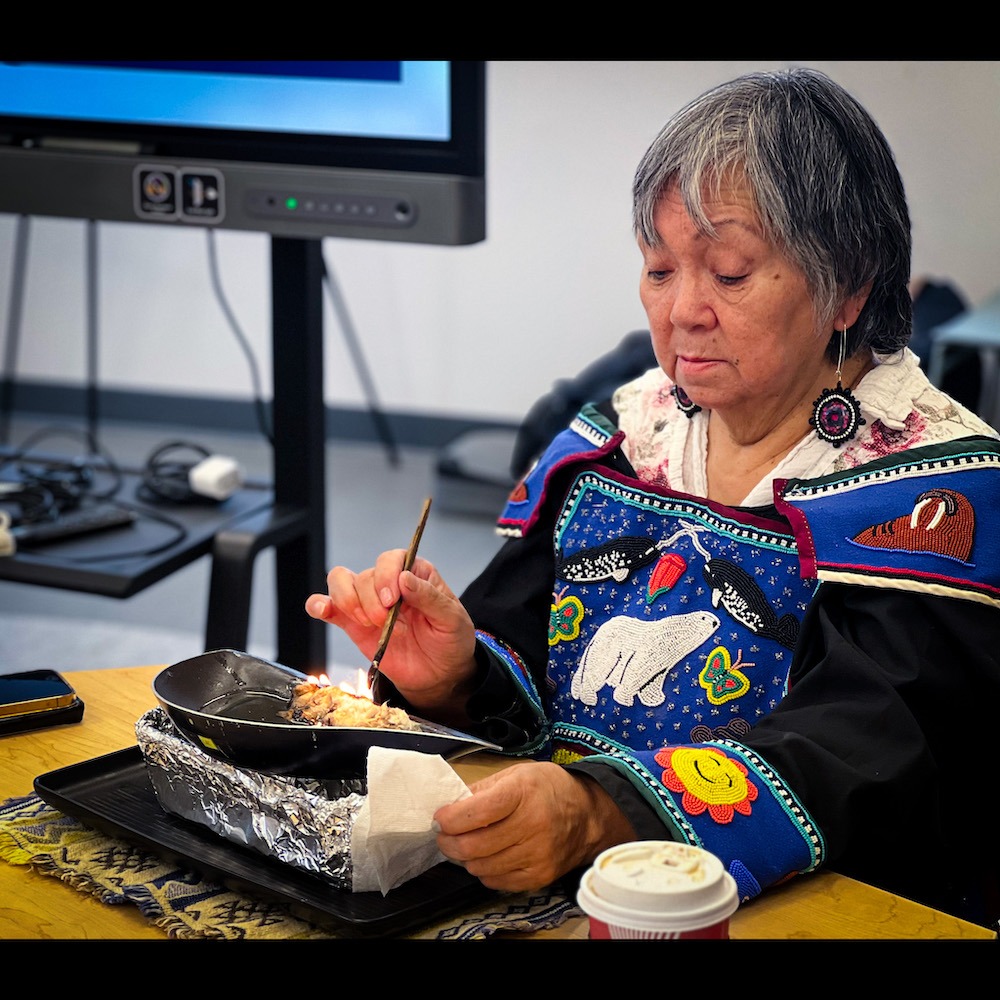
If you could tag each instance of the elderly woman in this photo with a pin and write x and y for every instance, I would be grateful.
(752, 602)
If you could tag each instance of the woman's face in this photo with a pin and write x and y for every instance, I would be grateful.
(731, 319)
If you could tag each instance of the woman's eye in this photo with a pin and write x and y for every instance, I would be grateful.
(730, 279)
(656, 275)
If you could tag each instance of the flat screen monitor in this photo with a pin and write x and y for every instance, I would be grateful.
(388, 150)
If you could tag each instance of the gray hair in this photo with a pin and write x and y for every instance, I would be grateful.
(824, 182)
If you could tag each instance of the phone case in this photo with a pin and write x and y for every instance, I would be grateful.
(31, 692)
(42, 720)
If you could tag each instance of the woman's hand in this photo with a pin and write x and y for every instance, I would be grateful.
(529, 824)
(431, 654)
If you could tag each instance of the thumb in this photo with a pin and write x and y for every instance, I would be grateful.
(420, 594)
(431, 598)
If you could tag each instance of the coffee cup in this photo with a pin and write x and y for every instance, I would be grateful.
(655, 889)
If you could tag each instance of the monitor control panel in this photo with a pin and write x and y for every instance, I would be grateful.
(390, 211)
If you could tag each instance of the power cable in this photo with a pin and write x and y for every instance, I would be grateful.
(23, 454)
(47, 487)
(347, 328)
(240, 336)
(354, 346)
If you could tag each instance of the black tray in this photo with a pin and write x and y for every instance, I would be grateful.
(113, 794)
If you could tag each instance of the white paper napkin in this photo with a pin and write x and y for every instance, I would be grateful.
(393, 840)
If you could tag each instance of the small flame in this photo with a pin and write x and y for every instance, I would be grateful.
(359, 687)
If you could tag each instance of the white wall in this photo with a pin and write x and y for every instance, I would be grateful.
(482, 331)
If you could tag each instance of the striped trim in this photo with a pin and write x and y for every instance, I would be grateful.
(796, 813)
(855, 478)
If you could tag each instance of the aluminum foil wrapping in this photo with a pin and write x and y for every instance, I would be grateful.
(299, 821)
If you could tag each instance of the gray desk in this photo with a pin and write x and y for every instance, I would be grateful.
(978, 328)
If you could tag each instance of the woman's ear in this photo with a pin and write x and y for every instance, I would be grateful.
(849, 311)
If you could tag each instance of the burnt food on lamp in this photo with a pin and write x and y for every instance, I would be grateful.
(329, 705)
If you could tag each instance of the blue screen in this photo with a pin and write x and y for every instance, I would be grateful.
(362, 99)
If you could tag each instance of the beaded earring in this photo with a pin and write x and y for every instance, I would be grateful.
(836, 413)
(684, 402)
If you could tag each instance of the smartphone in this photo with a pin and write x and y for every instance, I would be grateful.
(33, 699)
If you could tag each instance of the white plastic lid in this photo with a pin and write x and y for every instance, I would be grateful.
(658, 884)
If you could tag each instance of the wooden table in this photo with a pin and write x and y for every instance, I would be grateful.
(823, 905)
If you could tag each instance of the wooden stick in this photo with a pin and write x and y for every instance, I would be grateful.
(383, 642)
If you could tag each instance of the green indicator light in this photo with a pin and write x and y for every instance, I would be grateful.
(292, 203)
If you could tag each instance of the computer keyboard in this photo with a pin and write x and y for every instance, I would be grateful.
(79, 521)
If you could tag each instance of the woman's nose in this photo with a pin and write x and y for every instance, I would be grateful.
(690, 304)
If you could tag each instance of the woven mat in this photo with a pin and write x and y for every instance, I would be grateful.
(184, 905)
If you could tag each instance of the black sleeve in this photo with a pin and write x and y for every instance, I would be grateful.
(645, 821)
(884, 734)
(511, 599)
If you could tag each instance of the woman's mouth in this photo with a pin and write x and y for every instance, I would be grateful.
(691, 365)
